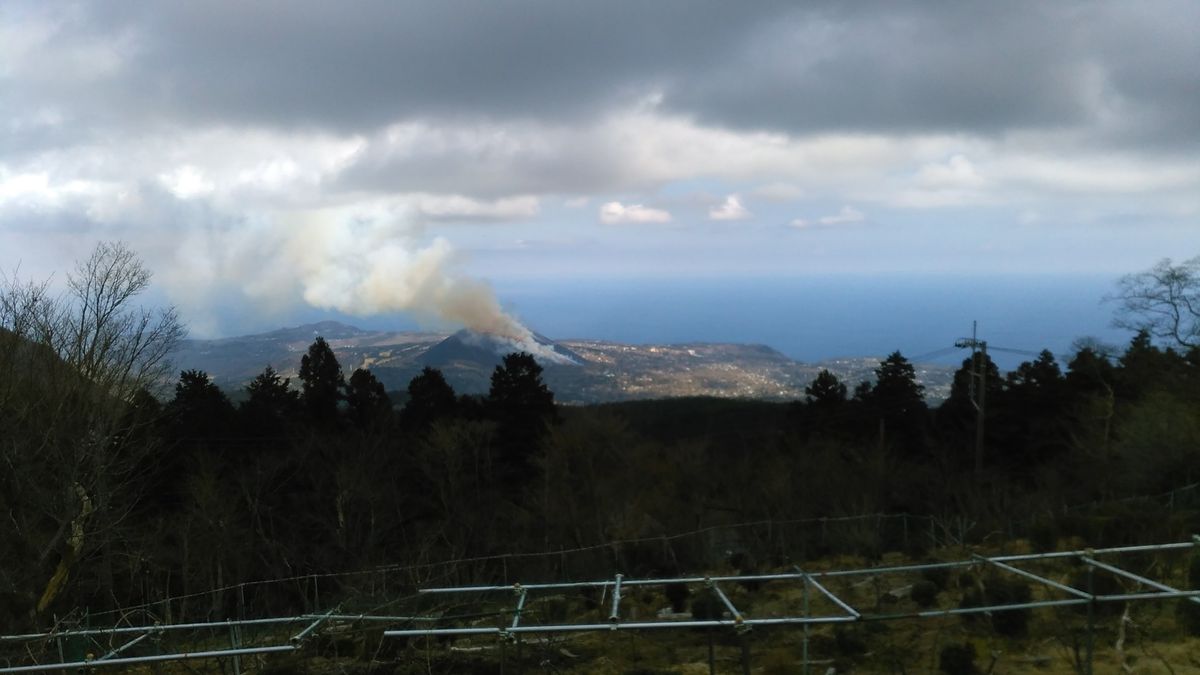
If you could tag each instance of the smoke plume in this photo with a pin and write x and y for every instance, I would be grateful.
(363, 264)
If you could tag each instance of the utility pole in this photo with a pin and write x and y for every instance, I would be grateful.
(978, 395)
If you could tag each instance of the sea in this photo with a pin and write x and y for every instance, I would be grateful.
(815, 318)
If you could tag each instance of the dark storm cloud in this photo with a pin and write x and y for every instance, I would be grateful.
(975, 67)
(358, 65)
(953, 67)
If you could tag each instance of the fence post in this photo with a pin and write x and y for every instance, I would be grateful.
(62, 658)
(745, 640)
(503, 652)
(805, 624)
(233, 644)
(1091, 621)
(712, 661)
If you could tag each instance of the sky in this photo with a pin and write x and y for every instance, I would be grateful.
(428, 163)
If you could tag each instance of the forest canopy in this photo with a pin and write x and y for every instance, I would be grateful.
(121, 490)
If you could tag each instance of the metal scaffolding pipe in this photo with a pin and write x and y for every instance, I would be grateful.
(1002, 608)
(738, 619)
(1130, 575)
(826, 592)
(781, 621)
(155, 658)
(1165, 595)
(407, 632)
(299, 637)
(151, 629)
(520, 607)
(893, 569)
(643, 625)
(787, 576)
(367, 617)
(123, 647)
(830, 573)
(1099, 551)
(615, 615)
(807, 583)
(784, 621)
(1038, 578)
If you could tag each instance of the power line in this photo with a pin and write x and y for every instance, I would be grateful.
(978, 395)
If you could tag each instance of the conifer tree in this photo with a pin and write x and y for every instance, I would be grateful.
(322, 383)
(367, 399)
(430, 398)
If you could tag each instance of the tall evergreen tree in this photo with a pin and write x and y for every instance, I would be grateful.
(270, 391)
(269, 405)
(958, 416)
(521, 405)
(322, 382)
(1090, 372)
(430, 398)
(200, 411)
(1145, 368)
(366, 399)
(1031, 418)
(898, 402)
(826, 390)
(824, 409)
(896, 393)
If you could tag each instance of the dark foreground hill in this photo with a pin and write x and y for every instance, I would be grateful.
(577, 370)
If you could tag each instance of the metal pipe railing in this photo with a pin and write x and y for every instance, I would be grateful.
(891, 569)
(615, 615)
(1135, 577)
(1038, 578)
(520, 608)
(155, 658)
(636, 625)
(116, 630)
(299, 637)
(123, 647)
(738, 619)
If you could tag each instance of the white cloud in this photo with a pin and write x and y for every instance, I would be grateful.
(846, 216)
(779, 191)
(956, 173)
(951, 182)
(731, 209)
(186, 182)
(1098, 174)
(459, 207)
(613, 213)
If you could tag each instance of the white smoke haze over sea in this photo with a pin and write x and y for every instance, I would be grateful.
(358, 261)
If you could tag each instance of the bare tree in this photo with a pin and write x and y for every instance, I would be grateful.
(75, 374)
(1164, 300)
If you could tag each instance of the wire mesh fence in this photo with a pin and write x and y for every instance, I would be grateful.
(806, 617)
(747, 545)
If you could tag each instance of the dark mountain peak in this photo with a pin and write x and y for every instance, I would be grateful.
(483, 349)
(330, 330)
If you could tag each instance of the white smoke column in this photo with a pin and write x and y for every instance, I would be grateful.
(367, 266)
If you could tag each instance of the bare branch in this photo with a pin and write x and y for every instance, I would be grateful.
(1164, 301)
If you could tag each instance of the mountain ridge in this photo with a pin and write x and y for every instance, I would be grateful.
(589, 370)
